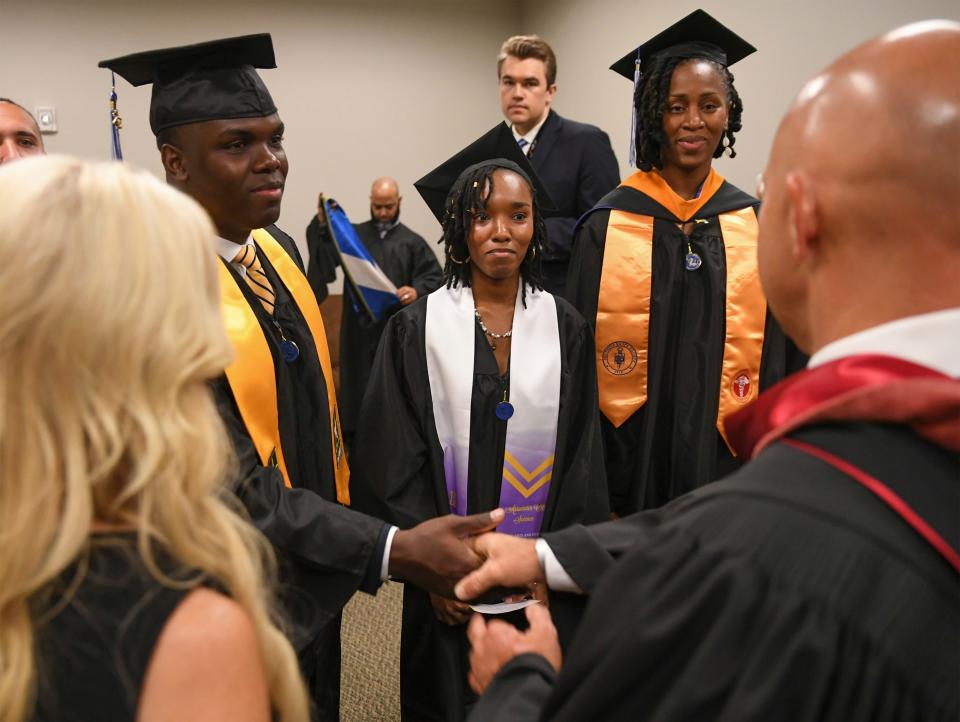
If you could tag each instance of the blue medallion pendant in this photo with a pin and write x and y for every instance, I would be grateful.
(504, 410)
(289, 351)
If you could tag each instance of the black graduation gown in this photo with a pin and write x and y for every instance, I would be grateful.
(407, 260)
(785, 592)
(671, 444)
(398, 475)
(326, 551)
(322, 263)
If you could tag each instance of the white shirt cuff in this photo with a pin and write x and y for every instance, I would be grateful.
(557, 577)
(385, 563)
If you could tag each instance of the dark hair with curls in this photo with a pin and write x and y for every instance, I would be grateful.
(650, 100)
(470, 192)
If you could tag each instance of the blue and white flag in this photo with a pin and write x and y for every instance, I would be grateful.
(371, 289)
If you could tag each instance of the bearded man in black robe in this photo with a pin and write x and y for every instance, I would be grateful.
(407, 261)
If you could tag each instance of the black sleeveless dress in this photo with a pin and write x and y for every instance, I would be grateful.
(94, 642)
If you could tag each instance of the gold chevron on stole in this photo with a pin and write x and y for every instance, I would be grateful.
(531, 477)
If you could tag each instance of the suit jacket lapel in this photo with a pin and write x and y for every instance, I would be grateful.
(546, 138)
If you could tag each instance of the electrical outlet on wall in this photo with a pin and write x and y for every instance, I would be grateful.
(47, 120)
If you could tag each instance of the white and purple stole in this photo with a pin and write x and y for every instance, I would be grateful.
(534, 393)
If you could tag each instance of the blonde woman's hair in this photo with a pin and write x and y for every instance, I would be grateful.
(109, 332)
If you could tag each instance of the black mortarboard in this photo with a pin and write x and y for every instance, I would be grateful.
(696, 35)
(497, 144)
(206, 81)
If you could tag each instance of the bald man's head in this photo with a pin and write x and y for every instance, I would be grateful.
(385, 200)
(861, 215)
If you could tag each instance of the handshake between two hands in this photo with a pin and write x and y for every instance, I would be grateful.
(460, 557)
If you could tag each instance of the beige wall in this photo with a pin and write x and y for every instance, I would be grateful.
(794, 38)
(365, 88)
(370, 88)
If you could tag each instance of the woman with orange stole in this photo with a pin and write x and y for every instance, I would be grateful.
(664, 267)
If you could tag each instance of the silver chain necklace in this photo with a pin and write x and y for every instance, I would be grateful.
(495, 336)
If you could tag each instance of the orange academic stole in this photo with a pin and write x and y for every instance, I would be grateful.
(252, 376)
(623, 306)
(623, 315)
(746, 315)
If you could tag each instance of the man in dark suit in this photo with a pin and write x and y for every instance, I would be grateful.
(574, 160)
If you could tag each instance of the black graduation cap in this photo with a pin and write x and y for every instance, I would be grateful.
(206, 81)
(697, 34)
(496, 144)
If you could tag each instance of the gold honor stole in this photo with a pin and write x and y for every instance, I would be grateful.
(252, 376)
(623, 308)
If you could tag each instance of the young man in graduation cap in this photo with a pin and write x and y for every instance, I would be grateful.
(221, 141)
(664, 267)
(491, 394)
(821, 581)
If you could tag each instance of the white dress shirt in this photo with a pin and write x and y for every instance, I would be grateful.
(228, 250)
(930, 339)
(530, 135)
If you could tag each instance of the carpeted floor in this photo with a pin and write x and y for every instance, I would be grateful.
(370, 656)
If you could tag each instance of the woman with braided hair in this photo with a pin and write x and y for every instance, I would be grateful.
(664, 269)
(482, 394)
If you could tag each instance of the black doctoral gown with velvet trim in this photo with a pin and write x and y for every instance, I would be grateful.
(671, 444)
(787, 591)
(397, 468)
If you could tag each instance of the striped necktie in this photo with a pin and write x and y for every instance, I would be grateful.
(523, 143)
(256, 278)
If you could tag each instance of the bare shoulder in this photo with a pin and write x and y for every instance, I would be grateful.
(206, 621)
(206, 665)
